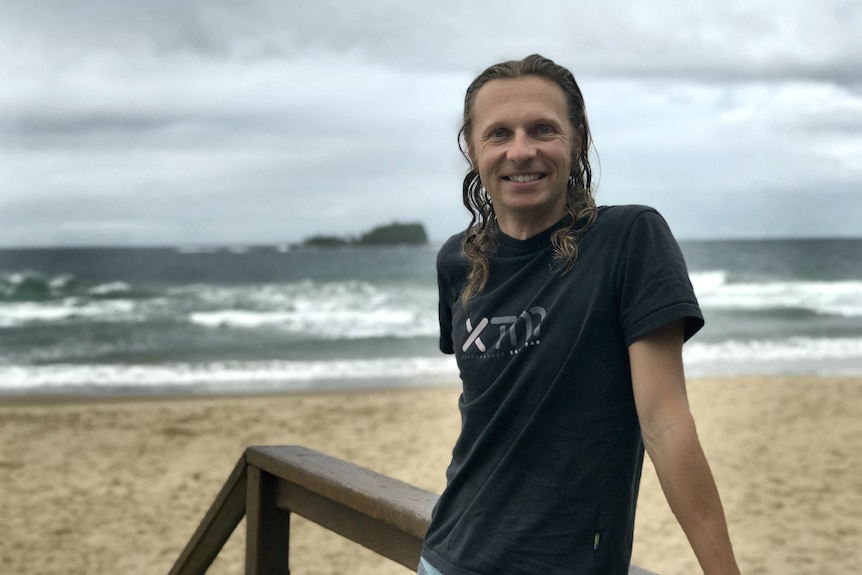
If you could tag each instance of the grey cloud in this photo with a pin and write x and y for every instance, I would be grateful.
(159, 24)
(270, 121)
(131, 132)
(716, 41)
(73, 126)
(844, 122)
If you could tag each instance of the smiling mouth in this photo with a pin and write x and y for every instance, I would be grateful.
(523, 178)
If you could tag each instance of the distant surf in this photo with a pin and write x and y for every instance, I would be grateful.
(108, 321)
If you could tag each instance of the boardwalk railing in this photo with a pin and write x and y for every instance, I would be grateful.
(271, 482)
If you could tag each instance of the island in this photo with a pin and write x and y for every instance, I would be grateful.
(391, 234)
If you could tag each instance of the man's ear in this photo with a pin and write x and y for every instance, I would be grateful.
(471, 156)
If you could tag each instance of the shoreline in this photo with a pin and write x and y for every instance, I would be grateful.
(33, 399)
(333, 386)
(330, 387)
(119, 484)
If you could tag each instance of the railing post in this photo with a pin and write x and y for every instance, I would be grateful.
(269, 483)
(219, 522)
(268, 527)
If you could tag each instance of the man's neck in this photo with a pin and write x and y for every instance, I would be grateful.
(526, 228)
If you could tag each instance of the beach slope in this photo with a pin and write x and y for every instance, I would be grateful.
(110, 486)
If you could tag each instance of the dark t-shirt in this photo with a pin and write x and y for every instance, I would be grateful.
(545, 474)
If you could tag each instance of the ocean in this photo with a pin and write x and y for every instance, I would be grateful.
(160, 321)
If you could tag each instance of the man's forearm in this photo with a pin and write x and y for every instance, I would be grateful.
(691, 492)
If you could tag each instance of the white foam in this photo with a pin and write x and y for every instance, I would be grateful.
(236, 374)
(18, 278)
(772, 350)
(110, 289)
(11, 282)
(707, 281)
(17, 314)
(327, 324)
(61, 282)
(239, 319)
(333, 310)
(837, 298)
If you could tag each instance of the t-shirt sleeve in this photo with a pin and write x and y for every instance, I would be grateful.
(445, 316)
(447, 267)
(655, 288)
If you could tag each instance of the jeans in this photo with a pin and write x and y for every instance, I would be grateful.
(426, 568)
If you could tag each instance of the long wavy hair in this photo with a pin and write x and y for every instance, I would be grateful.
(480, 237)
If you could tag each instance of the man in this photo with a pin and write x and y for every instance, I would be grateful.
(567, 322)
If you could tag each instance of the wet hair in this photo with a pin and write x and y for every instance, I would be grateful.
(480, 237)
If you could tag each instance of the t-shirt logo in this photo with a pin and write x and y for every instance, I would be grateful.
(510, 330)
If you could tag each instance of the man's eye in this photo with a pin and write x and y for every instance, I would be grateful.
(544, 130)
(498, 133)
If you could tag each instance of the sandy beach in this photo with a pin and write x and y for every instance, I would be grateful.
(119, 486)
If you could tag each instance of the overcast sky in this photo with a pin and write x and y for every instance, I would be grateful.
(129, 122)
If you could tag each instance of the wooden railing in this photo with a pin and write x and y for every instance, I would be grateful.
(271, 482)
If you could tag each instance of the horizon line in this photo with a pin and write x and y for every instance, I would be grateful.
(230, 245)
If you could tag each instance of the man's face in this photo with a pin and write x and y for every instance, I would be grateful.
(521, 145)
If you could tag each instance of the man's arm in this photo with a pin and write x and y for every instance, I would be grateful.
(670, 437)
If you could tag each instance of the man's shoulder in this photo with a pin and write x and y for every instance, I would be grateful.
(451, 247)
(624, 212)
(450, 257)
(453, 243)
(621, 219)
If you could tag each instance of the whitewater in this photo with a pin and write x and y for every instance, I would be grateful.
(109, 321)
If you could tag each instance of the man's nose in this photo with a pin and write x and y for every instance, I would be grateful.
(521, 147)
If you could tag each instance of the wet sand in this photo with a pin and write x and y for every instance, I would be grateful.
(119, 486)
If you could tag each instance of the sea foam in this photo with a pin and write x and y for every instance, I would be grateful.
(235, 375)
(838, 298)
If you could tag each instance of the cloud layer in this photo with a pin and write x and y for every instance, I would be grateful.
(184, 122)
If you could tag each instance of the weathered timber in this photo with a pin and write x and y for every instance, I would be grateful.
(219, 522)
(270, 483)
(267, 526)
(386, 515)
